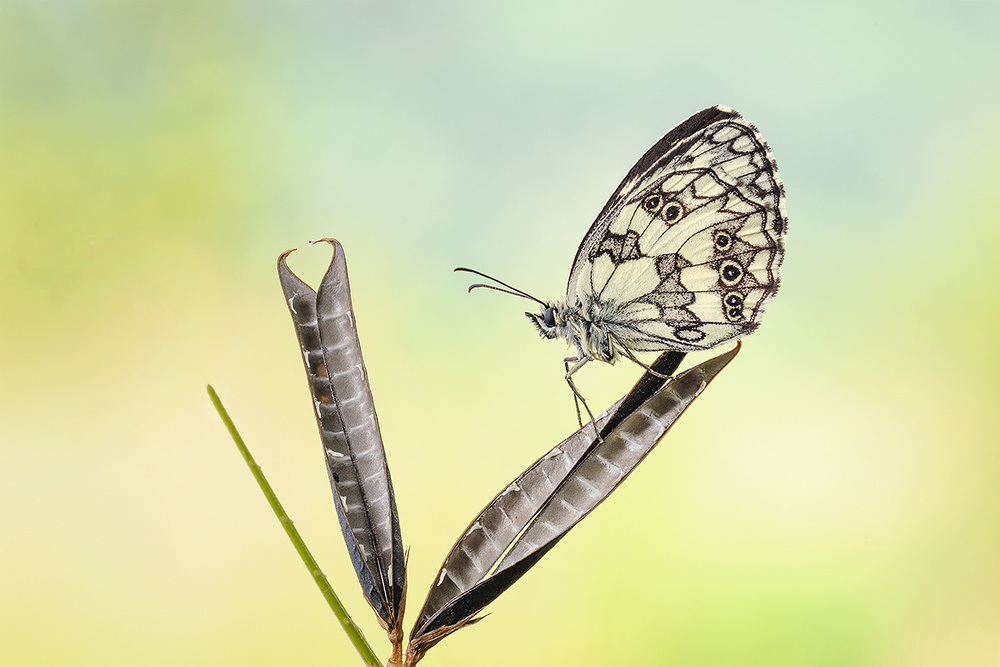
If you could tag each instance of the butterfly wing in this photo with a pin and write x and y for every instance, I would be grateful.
(686, 252)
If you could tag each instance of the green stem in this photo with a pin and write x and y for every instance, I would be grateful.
(350, 627)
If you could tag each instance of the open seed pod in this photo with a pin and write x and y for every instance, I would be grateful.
(352, 444)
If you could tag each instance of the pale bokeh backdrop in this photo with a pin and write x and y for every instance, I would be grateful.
(833, 499)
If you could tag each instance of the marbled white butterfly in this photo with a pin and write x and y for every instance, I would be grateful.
(685, 254)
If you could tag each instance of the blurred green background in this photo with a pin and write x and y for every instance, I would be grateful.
(833, 499)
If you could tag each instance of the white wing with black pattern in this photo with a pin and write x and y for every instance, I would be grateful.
(686, 253)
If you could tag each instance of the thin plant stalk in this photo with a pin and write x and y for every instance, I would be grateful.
(350, 627)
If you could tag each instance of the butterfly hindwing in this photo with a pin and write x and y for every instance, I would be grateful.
(686, 252)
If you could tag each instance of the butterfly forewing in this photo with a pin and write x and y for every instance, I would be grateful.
(686, 252)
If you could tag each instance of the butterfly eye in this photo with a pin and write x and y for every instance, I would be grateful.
(652, 203)
(730, 272)
(733, 306)
(549, 317)
(672, 211)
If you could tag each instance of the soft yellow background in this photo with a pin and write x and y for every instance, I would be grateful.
(833, 500)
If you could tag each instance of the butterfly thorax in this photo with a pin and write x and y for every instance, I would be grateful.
(589, 327)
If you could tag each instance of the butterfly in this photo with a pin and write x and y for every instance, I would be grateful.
(685, 254)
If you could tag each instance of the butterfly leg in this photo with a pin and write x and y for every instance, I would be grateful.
(578, 398)
(669, 359)
(651, 371)
(576, 394)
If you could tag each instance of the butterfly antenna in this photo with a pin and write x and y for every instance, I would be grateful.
(510, 289)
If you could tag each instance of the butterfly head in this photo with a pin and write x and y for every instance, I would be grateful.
(548, 321)
(584, 326)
